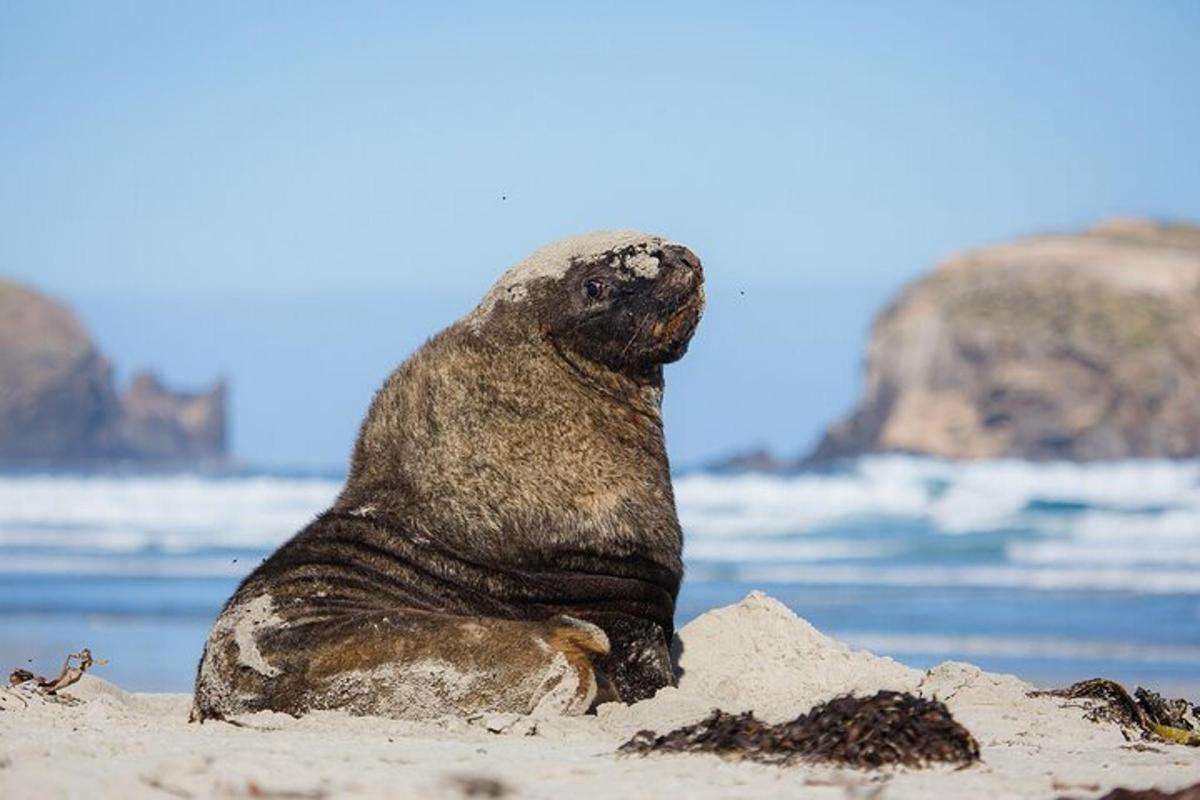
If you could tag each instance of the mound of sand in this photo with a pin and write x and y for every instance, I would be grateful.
(756, 655)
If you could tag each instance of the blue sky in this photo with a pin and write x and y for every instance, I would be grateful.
(297, 194)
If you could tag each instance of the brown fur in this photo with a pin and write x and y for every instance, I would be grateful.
(509, 492)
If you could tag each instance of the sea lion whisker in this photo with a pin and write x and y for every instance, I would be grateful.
(636, 335)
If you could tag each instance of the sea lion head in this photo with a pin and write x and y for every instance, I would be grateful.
(627, 301)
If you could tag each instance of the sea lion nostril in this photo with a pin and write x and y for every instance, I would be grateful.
(680, 257)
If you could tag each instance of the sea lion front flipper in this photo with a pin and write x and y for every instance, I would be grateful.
(395, 663)
(571, 687)
(639, 663)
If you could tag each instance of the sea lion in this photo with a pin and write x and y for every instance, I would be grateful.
(507, 537)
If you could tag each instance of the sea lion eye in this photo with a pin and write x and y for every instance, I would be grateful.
(595, 288)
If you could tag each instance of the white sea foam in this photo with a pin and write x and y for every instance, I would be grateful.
(1130, 526)
(791, 550)
(992, 494)
(172, 513)
(756, 505)
(954, 497)
(1110, 579)
(1016, 647)
(125, 567)
(1084, 554)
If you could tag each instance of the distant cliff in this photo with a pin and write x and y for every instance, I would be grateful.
(1079, 347)
(58, 404)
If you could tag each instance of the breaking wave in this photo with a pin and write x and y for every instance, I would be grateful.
(1126, 526)
(1099, 524)
(954, 497)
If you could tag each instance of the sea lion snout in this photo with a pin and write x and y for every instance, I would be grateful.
(682, 262)
(684, 273)
(682, 286)
(679, 273)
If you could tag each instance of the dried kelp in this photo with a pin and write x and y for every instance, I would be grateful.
(1146, 713)
(884, 729)
(70, 673)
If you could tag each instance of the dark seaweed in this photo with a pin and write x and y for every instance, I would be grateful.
(1145, 713)
(867, 732)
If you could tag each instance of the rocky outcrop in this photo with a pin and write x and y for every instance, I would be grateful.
(159, 423)
(59, 406)
(1079, 347)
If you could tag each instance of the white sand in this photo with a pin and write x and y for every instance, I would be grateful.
(755, 655)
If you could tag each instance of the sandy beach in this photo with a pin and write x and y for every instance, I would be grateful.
(756, 655)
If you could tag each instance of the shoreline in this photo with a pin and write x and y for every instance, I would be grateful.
(755, 655)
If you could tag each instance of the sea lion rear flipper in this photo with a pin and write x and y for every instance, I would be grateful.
(400, 663)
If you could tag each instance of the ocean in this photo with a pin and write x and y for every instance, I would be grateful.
(1054, 572)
